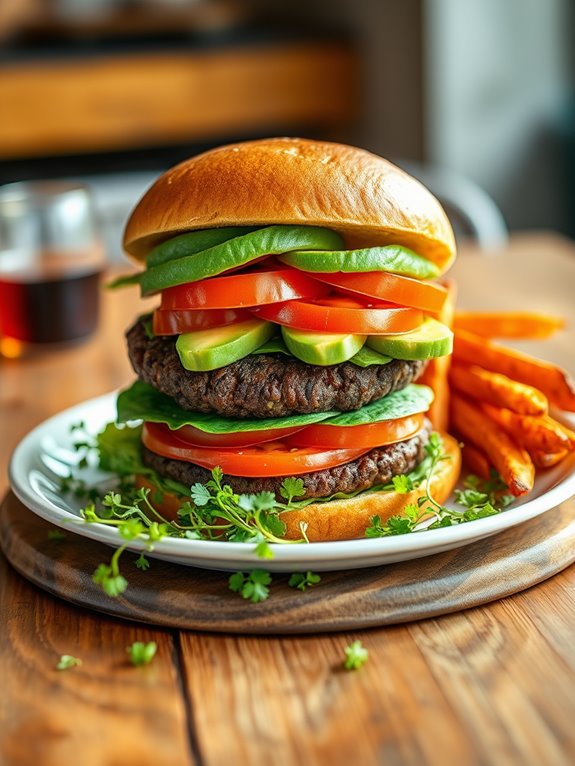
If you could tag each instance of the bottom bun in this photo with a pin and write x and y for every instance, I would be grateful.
(348, 519)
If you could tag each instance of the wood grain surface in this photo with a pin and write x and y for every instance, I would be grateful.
(139, 100)
(490, 686)
(185, 597)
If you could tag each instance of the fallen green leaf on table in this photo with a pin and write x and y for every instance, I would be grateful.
(356, 655)
(141, 653)
(67, 661)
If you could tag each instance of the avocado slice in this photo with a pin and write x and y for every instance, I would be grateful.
(429, 340)
(193, 242)
(211, 349)
(393, 258)
(235, 252)
(321, 348)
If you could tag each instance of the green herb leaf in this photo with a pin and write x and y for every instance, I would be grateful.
(292, 487)
(141, 653)
(252, 586)
(263, 550)
(142, 563)
(112, 584)
(356, 655)
(303, 580)
(479, 499)
(67, 661)
(402, 484)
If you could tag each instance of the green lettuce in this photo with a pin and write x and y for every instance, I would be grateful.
(143, 402)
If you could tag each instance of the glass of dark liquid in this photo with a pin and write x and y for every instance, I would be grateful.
(51, 259)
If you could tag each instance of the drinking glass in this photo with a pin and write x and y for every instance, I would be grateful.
(51, 259)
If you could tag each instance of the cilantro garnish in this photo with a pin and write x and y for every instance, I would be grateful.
(356, 655)
(303, 580)
(141, 653)
(251, 585)
(67, 661)
(479, 500)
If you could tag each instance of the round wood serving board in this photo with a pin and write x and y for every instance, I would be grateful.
(186, 597)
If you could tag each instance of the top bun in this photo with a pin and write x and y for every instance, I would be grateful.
(365, 198)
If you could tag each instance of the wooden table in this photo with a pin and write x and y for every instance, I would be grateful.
(492, 685)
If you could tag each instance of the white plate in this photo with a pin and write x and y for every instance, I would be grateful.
(46, 452)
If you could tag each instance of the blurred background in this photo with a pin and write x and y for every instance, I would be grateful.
(477, 97)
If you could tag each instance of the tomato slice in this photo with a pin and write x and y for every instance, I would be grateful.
(270, 459)
(365, 436)
(427, 296)
(198, 438)
(175, 322)
(339, 314)
(254, 288)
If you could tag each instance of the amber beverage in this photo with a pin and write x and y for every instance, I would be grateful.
(50, 265)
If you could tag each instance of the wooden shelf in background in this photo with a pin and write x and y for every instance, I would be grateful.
(130, 101)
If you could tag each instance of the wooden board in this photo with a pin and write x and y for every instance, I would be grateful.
(185, 597)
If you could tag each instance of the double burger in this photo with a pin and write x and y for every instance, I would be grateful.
(296, 309)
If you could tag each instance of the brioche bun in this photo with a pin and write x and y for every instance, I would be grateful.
(293, 181)
(347, 519)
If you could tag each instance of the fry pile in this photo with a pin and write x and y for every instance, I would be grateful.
(500, 398)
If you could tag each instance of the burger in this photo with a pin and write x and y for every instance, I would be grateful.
(296, 307)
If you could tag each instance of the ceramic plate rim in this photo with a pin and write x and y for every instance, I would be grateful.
(225, 553)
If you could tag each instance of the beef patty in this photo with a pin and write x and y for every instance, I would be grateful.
(263, 385)
(377, 466)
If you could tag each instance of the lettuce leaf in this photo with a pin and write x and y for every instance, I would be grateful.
(409, 401)
(143, 402)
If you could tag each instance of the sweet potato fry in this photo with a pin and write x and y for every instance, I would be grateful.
(547, 459)
(540, 434)
(510, 460)
(501, 324)
(554, 382)
(498, 390)
(476, 461)
(435, 373)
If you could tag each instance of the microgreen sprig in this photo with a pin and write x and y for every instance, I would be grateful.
(479, 500)
(141, 653)
(303, 580)
(356, 655)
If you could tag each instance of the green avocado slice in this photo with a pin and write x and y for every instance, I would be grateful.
(393, 258)
(193, 242)
(205, 350)
(365, 357)
(236, 252)
(322, 348)
(431, 339)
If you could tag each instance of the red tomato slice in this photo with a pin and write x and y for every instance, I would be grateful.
(198, 438)
(338, 314)
(364, 436)
(427, 296)
(175, 322)
(271, 459)
(254, 288)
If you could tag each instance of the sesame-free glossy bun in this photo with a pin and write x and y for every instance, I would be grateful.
(293, 181)
(348, 519)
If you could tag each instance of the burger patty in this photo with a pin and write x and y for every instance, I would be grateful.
(377, 466)
(263, 385)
